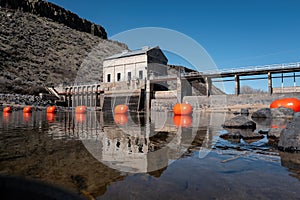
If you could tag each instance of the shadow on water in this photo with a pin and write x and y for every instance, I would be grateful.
(105, 156)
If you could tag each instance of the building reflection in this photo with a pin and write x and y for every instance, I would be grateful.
(137, 144)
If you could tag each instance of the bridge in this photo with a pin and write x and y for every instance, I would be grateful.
(238, 73)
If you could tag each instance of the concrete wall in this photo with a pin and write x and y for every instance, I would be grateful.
(226, 102)
(132, 64)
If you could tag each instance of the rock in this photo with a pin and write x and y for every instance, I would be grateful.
(282, 113)
(245, 111)
(263, 131)
(275, 133)
(36, 51)
(262, 113)
(231, 135)
(290, 137)
(56, 13)
(240, 122)
(245, 134)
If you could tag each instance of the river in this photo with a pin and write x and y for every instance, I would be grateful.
(135, 156)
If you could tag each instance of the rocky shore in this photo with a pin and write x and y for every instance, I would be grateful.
(281, 126)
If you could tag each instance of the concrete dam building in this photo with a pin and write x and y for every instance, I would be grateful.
(139, 79)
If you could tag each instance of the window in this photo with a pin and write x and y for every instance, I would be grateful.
(140, 74)
(118, 76)
(108, 78)
(129, 76)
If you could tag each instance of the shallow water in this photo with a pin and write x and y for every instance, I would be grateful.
(98, 155)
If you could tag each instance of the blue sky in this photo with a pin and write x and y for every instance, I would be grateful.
(235, 33)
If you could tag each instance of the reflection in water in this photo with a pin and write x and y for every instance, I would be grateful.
(6, 117)
(26, 117)
(80, 117)
(91, 153)
(50, 117)
(121, 119)
(183, 120)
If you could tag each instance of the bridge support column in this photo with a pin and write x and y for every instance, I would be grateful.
(208, 86)
(237, 84)
(179, 92)
(270, 87)
(148, 96)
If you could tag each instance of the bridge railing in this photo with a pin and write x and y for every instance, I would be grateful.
(254, 68)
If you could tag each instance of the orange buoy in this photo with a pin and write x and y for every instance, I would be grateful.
(291, 103)
(27, 109)
(51, 109)
(121, 119)
(80, 117)
(7, 109)
(182, 109)
(183, 121)
(121, 109)
(80, 109)
(50, 117)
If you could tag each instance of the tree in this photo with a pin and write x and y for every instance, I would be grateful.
(245, 89)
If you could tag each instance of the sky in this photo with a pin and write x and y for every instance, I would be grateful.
(235, 33)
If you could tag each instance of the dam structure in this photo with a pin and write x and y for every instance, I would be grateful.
(143, 80)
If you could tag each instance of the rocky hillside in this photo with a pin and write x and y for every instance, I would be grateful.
(37, 51)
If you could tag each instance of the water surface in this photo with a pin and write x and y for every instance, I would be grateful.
(98, 155)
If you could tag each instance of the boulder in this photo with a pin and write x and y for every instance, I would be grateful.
(290, 137)
(282, 113)
(245, 134)
(245, 111)
(262, 113)
(275, 133)
(240, 122)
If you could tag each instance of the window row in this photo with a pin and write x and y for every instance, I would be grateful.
(119, 76)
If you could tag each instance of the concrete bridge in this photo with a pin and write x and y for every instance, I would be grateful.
(271, 72)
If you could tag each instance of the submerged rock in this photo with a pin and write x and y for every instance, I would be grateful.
(290, 137)
(245, 134)
(240, 122)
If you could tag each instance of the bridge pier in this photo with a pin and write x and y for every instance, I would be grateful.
(179, 93)
(270, 87)
(237, 84)
(208, 86)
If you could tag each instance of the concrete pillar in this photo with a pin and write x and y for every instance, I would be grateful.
(179, 93)
(148, 96)
(74, 97)
(208, 86)
(237, 84)
(82, 95)
(270, 87)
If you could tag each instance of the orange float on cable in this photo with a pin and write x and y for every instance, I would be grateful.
(121, 109)
(121, 119)
(7, 109)
(27, 109)
(291, 103)
(80, 109)
(51, 109)
(182, 120)
(182, 109)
